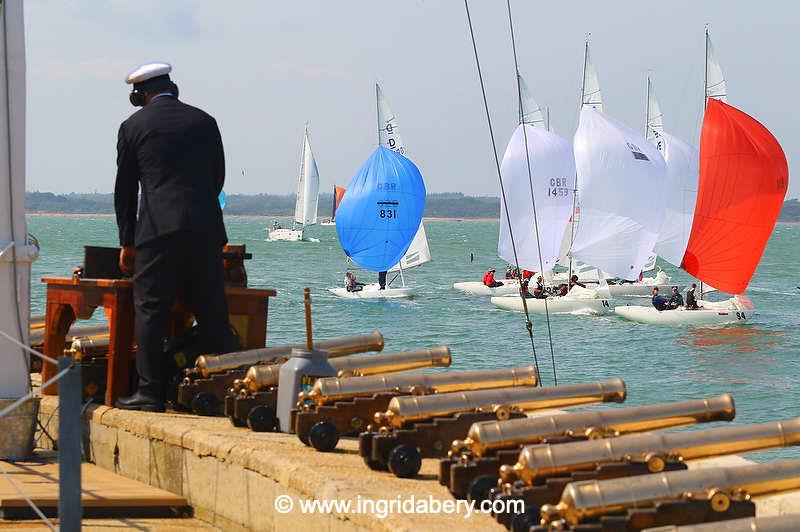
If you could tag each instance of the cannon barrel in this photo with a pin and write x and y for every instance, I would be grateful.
(542, 461)
(331, 389)
(336, 347)
(265, 375)
(88, 347)
(36, 335)
(502, 401)
(487, 436)
(582, 501)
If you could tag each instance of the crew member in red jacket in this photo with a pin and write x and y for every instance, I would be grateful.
(489, 280)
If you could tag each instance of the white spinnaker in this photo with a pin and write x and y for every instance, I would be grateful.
(305, 208)
(591, 84)
(715, 80)
(531, 112)
(388, 129)
(681, 195)
(15, 254)
(655, 119)
(552, 167)
(621, 182)
(418, 252)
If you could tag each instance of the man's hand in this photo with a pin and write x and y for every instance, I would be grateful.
(126, 256)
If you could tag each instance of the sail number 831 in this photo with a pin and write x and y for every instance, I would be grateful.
(388, 213)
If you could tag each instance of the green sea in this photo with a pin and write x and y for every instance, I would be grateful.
(757, 362)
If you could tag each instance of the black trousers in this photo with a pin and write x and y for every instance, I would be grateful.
(382, 280)
(192, 263)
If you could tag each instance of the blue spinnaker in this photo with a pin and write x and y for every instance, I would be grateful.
(381, 211)
(222, 199)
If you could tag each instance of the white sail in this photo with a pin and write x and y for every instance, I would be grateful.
(388, 129)
(305, 208)
(530, 112)
(418, 252)
(655, 119)
(15, 254)
(681, 195)
(552, 172)
(715, 80)
(621, 182)
(591, 96)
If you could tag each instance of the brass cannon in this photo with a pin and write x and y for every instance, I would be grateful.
(772, 523)
(337, 406)
(203, 387)
(471, 469)
(543, 471)
(416, 427)
(676, 497)
(251, 401)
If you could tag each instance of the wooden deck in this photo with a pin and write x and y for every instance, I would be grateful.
(103, 493)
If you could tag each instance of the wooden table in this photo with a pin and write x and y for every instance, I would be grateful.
(69, 299)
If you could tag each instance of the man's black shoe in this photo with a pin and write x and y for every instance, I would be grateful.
(140, 402)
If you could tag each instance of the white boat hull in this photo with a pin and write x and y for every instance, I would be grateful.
(289, 235)
(373, 292)
(555, 305)
(510, 286)
(710, 314)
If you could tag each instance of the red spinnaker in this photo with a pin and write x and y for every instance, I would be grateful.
(338, 194)
(743, 181)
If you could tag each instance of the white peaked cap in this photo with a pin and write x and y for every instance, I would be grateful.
(148, 71)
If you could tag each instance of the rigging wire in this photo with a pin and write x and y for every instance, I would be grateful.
(528, 323)
(530, 183)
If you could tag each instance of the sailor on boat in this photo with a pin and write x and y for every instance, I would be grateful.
(691, 299)
(174, 153)
(509, 272)
(538, 291)
(676, 300)
(573, 281)
(658, 300)
(350, 283)
(489, 280)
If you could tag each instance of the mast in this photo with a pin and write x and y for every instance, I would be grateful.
(575, 190)
(647, 109)
(378, 110)
(548, 117)
(705, 74)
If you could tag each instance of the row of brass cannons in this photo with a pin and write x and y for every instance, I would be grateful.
(563, 466)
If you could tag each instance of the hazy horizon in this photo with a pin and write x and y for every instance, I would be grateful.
(264, 69)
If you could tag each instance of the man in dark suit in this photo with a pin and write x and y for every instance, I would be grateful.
(173, 151)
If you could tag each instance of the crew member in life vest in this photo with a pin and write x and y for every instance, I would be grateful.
(173, 240)
(489, 280)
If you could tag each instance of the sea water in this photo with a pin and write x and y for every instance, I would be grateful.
(757, 362)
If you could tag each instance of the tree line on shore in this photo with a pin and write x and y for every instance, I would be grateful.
(441, 205)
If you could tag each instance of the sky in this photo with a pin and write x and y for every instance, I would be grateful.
(264, 69)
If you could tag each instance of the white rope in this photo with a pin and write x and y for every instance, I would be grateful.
(28, 349)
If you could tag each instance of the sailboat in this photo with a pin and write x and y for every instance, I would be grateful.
(305, 207)
(338, 194)
(743, 178)
(388, 171)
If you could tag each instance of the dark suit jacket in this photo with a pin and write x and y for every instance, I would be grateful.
(175, 152)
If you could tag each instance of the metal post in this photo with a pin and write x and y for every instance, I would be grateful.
(70, 510)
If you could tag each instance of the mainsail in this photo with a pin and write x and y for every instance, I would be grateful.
(681, 195)
(530, 112)
(388, 129)
(742, 185)
(305, 208)
(381, 211)
(715, 80)
(552, 173)
(621, 179)
(591, 96)
(654, 128)
(418, 252)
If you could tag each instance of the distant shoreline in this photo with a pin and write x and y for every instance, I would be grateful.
(241, 216)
